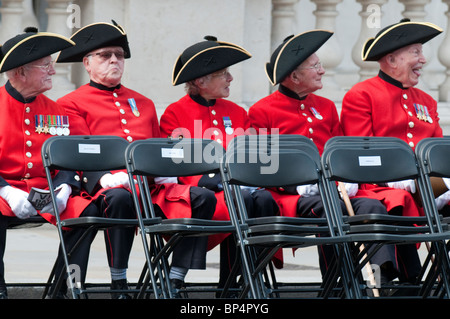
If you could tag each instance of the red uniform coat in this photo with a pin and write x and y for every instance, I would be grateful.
(190, 119)
(314, 117)
(381, 107)
(95, 110)
(20, 147)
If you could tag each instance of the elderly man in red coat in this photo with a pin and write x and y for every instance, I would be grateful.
(295, 109)
(106, 107)
(390, 105)
(204, 112)
(24, 126)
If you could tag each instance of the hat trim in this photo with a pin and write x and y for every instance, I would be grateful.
(98, 23)
(364, 56)
(223, 45)
(272, 79)
(32, 37)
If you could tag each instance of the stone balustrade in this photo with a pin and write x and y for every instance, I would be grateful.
(159, 30)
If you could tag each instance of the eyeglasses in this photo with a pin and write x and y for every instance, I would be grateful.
(223, 73)
(316, 66)
(106, 55)
(45, 67)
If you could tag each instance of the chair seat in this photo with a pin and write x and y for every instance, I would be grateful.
(399, 238)
(101, 222)
(382, 218)
(394, 229)
(31, 222)
(286, 220)
(292, 241)
(200, 227)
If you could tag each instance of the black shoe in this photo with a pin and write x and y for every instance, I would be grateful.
(120, 285)
(3, 292)
(176, 286)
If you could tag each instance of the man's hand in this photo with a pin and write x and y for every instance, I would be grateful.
(17, 199)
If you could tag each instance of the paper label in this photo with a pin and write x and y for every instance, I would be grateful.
(369, 160)
(89, 148)
(172, 153)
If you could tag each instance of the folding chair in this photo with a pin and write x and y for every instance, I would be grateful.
(166, 157)
(296, 161)
(379, 160)
(85, 153)
(432, 155)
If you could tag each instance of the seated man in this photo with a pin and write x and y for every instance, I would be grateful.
(205, 113)
(295, 109)
(106, 107)
(24, 127)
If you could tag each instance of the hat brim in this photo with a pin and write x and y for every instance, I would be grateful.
(32, 48)
(92, 37)
(398, 36)
(292, 53)
(207, 61)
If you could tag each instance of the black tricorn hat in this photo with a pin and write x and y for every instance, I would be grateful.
(397, 36)
(92, 37)
(293, 51)
(206, 57)
(31, 46)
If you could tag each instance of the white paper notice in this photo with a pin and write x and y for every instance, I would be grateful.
(369, 160)
(172, 153)
(89, 148)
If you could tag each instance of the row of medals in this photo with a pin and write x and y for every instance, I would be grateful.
(58, 129)
(422, 113)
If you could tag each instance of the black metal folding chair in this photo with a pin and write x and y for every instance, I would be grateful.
(379, 160)
(86, 153)
(165, 157)
(432, 156)
(280, 161)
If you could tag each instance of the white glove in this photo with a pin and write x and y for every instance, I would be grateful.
(408, 185)
(442, 200)
(308, 190)
(251, 189)
(351, 189)
(446, 182)
(166, 180)
(17, 199)
(113, 180)
(61, 200)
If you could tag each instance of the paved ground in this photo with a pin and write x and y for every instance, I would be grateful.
(31, 252)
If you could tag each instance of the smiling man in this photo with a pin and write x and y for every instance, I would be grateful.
(390, 105)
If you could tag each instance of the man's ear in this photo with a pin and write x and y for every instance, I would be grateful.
(200, 82)
(391, 60)
(20, 72)
(293, 76)
(86, 63)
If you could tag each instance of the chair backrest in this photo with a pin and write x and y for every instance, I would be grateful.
(167, 157)
(271, 161)
(368, 160)
(433, 155)
(84, 153)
